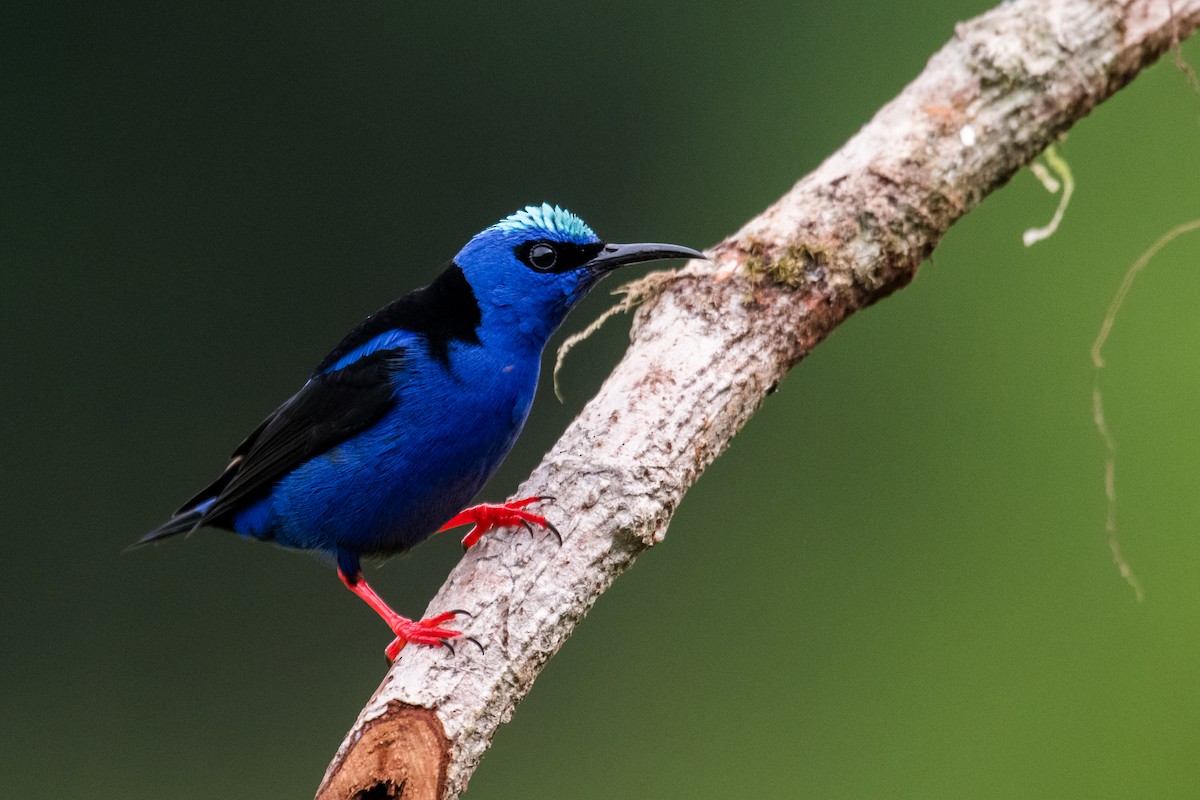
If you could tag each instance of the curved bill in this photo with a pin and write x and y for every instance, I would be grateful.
(618, 255)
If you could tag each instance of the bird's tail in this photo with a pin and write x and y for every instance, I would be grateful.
(181, 522)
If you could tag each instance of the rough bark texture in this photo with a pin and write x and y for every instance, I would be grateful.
(717, 337)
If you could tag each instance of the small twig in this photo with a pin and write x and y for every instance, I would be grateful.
(1181, 63)
(1110, 443)
(632, 295)
(1127, 283)
(1059, 165)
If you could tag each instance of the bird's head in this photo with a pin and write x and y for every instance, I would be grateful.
(530, 268)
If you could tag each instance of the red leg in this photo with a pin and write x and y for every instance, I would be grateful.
(426, 631)
(488, 516)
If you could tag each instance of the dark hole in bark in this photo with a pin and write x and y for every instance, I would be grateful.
(382, 791)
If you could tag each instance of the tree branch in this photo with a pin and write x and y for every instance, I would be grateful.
(715, 338)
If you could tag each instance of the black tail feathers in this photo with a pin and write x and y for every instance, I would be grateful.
(186, 522)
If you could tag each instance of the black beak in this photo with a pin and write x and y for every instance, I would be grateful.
(618, 255)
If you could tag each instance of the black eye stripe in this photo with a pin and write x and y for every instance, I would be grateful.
(567, 255)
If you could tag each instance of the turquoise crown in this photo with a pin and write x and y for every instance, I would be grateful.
(553, 220)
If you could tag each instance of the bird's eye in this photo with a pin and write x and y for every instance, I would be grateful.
(542, 256)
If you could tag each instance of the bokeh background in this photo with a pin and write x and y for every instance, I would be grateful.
(894, 584)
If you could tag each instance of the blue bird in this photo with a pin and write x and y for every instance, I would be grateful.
(402, 423)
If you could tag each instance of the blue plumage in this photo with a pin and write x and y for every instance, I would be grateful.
(401, 424)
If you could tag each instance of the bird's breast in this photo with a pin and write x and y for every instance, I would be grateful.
(393, 485)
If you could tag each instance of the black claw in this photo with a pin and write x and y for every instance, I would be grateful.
(475, 642)
(525, 524)
(541, 498)
(446, 644)
(463, 611)
(550, 527)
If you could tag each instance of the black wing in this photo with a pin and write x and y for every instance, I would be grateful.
(328, 410)
(335, 404)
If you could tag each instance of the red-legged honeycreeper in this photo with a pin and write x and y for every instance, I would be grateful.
(399, 427)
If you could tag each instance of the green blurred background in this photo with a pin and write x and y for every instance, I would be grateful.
(895, 583)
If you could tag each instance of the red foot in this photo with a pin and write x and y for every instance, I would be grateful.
(503, 515)
(426, 631)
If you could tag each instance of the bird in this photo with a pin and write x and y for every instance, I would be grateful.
(400, 425)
